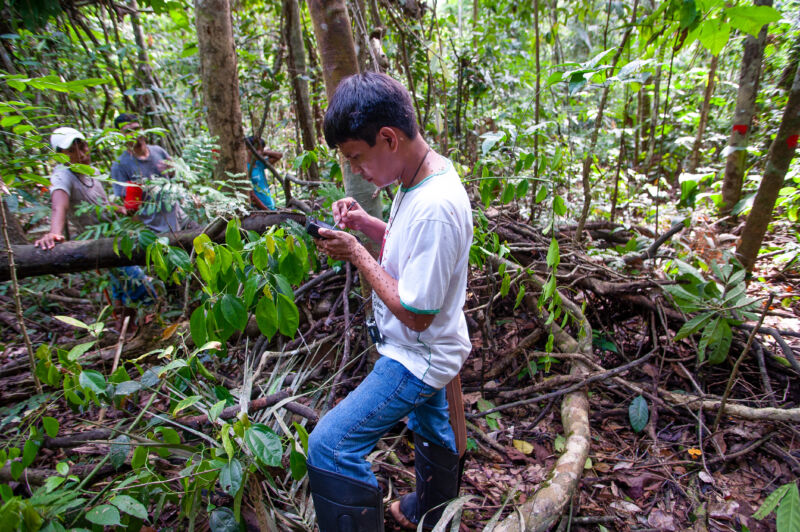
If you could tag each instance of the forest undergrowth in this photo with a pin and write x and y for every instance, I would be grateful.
(654, 464)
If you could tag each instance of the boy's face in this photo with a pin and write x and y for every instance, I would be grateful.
(376, 164)
(78, 152)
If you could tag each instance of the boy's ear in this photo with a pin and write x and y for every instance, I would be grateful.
(389, 135)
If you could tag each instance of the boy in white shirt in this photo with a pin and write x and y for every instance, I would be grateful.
(419, 283)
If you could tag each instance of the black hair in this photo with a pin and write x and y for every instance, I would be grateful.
(363, 104)
(125, 118)
(256, 142)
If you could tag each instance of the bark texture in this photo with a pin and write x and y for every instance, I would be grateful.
(220, 83)
(701, 127)
(83, 255)
(749, 77)
(779, 157)
(296, 67)
(339, 60)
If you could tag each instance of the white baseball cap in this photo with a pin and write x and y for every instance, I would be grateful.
(64, 136)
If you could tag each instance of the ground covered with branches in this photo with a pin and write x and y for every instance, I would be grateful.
(660, 457)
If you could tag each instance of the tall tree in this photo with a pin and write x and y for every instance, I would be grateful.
(694, 157)
(296, 68)
(220, 83)
(339, 60)
(779, 157)
(749, 77)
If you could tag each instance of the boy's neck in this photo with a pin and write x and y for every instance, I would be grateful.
(418, 158)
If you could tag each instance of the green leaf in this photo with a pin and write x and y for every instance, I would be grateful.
(223, 520)
(139, 457)
(92, 380)
(216, 410)
(297, 464)
(130, 506)
(288, 316)
(506, 284)
(232, 235)
(541, 194)
(490, 139)
(714, 35)
(705, 339)
(553, 257)
(693, 325)
(126, 388)
(788, 514)
(750, 19)
(119, 449)
(720, 343)
(62, 468)
(104, 515)
(72, 321)
(30, 450)
(520, 296)
(186, 403)
(230, 477)
(302, 433)
(267, 317)
(638, 413)
(559, 207)
(771, 502)
(260, 257)
(508, 193)
(687, 14)
(264, 444)
(234, 311)
(50, 426)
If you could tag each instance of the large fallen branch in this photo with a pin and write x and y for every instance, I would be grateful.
(83, 255)
(547, 505)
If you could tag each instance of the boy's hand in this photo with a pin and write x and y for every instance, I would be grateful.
(338, 245)
(348, 214)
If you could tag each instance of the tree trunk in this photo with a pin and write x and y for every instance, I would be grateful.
(220, 83)
(653, 121)
(296, 67)
(701, 127)
(587, 161)
(338, 53)
(743, 117)
(780, 156)
(84, 255)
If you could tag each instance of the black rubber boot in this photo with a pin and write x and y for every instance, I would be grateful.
(344, 504)
(438, 481)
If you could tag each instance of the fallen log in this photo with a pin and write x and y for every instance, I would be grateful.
(78, 256)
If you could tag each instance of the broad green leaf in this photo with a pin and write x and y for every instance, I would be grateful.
(139, 457)
(267, 317)
(720, 344)
(230, 477)
(223, 520)
(771, 502)
(119, 449)
(693, 325)
(520, 296)
(186, 403)
(104, 515)
(50, 426)
(260, 257)
(505, 285)
(234, 311)
(30, 450)
(750, 19)
(559, 207)
(130, 506)
(264, 444)
(553, 257)
(126, 388)
(638, 413)
(216, 410)
(232, 235)
(541, 194)
(705, 338)
(297, 464)
(77, 351)
(787, 517)
(92, 380)
(714, 34)
(288, 316)
(490, 139)
(62, 468)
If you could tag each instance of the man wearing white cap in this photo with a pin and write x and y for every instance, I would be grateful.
(68, 188)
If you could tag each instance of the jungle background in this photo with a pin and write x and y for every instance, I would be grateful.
(633, 294)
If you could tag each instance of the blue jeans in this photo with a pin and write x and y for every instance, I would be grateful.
(347, 434)
(129, 284)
